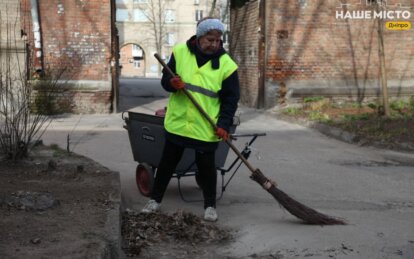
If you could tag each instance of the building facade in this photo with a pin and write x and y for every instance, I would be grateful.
(76, 40)
(319, 47)
(147, 27)
(12, 43)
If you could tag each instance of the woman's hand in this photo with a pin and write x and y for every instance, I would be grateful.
(177, 83)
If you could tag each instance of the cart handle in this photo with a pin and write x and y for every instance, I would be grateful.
(255, 135)
(122, 115)
(249, 135)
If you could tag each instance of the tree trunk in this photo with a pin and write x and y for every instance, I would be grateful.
(383, 71)
(213, 7)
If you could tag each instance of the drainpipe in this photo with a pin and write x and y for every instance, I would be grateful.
(262, 54)
(37, 59)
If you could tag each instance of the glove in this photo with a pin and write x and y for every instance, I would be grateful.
(177, 83)
(222, 133)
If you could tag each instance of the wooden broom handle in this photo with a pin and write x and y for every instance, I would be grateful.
(196, 104)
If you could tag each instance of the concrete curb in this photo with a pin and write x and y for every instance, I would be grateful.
(335, 132)
(113, 221)
(354, 139)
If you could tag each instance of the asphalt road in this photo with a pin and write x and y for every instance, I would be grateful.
(372, 189)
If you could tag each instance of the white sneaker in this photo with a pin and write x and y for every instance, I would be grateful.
(151, 206)
(210, 214)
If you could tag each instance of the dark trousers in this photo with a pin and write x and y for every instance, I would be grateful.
(205, 161)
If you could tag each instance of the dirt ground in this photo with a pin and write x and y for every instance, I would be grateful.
(54, 205)
(390, 133)
(366, 126)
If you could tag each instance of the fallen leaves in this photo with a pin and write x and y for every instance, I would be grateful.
(141, 230)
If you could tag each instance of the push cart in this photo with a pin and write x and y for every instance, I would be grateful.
(147, 137)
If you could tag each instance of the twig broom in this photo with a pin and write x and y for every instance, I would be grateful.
(308, 215)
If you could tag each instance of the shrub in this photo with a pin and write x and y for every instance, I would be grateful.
(411, 103)
(293, 111)
(313, 99)
(19, 126)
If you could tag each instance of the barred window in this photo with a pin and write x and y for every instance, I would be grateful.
(122, 15)
(140, 15)
(170, 39)
(169, 15)
(198, 15)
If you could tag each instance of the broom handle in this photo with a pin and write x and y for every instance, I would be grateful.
(206, 116)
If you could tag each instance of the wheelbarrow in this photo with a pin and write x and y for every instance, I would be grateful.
(147, 137)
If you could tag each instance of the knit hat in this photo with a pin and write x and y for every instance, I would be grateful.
(208, 25)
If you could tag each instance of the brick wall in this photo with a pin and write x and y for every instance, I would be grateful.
(244, 40)
(316, 54)
(131, 67)
(55, 99)
(76, 38)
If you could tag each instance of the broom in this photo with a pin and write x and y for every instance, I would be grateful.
(308, 215)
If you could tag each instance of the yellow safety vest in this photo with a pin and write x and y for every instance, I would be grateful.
(204, 83)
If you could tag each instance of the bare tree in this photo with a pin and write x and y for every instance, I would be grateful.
(213, 8)
(379, 6)
(226, 12)
(220, 9)
(156, 13)
(21, 123)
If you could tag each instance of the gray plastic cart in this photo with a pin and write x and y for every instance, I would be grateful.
(147, 137)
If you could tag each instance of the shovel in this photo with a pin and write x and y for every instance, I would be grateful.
(299, 210)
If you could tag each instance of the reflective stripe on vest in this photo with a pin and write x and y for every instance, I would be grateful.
(204, 83)
(201, 90)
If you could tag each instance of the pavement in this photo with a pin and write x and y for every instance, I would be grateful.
(370, 188)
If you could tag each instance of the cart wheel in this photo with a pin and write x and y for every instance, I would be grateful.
(145, 179)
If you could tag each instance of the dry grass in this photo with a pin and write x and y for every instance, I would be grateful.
(365, 121)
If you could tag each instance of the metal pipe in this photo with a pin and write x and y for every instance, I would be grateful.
(37, 59)
(261, 103)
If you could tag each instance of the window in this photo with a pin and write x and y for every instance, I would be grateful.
(198, 15)
(140, 15)
(122, 1)
(170, 39)
(137, 64)
(136, 51)
(169, 15)
(140, 1)
(196, 2)
(122, 15)
(226, 37)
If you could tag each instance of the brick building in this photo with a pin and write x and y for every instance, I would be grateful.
(77, 38)
(319, 47)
